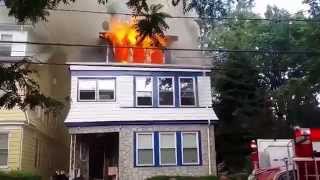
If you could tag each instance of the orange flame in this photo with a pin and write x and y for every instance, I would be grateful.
(124, 37)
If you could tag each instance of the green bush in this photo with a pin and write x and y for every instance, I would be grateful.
(18, 175)
(183, 178)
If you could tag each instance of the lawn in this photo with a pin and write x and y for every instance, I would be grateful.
(183, 178)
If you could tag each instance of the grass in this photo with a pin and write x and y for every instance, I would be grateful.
(183, 178)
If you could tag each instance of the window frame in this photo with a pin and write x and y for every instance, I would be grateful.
(137, 149)
(173, 91)
(96, 97)
(182, 148)
(135, 91)
(175, 149)
(7, 163)
(194, 91)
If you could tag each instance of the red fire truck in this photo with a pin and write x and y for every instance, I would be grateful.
(287, 159)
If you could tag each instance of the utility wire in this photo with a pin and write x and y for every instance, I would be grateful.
(190, 17)
(217, 68)
(173, 49)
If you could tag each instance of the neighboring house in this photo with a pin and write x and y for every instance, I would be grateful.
(33, 140)
(138, 120)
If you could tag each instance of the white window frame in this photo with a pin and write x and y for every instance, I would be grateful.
(137, 148)
(8, 134)
(175, 149)
(173, 91)
(194, 91)
(140, 91)
(96, 97)
(198, 148)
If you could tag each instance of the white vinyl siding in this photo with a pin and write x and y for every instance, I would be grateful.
(124, 108)
(167, 148)
(190, 148)
(144, 149)
(4, 139)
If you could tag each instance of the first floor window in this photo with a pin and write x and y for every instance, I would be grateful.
(190, 148)
(168, 148)
(87, 89)
(4, 149)
(166, 91)
(144, 91)
(187, 91)
(144, 149)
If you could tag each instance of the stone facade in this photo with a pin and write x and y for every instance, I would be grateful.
(128, 171)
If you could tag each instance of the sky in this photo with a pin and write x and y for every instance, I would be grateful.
(291, 5)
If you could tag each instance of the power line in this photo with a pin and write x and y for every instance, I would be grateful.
(221, 50)
(190, 17)
(117, 65)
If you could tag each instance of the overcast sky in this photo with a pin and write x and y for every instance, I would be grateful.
(291, 5)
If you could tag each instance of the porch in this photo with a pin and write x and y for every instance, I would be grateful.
(94, 156)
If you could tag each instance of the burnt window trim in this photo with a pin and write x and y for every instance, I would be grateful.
(96, 99)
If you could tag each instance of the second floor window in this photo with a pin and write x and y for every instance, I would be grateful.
(144, 91)
(166, 91)
(187, 91)
(96, 89)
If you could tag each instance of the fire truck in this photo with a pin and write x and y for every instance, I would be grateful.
(287, 159)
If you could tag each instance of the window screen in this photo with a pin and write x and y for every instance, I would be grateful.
(144, 91)
(87, 89)
(106, 89)
(167, 148)
(145, 149)
(190, 148)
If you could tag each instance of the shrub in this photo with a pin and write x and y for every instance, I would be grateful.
(18, 175)
(183, 178)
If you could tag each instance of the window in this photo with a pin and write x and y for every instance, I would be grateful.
(166, 91)
(187, 91)
(106, 89)
(168, 148)
(144, 150)
(190, 148)
(4, 149)
(87, 89)
(144, 91)
(5, 49)
(96, 89)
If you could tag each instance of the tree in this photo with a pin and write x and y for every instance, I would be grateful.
(18, 89)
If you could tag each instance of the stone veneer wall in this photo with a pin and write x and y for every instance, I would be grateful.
(127, 171)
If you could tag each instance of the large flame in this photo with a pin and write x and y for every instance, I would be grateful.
(129, 48)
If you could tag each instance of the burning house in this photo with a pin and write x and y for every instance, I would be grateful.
(138, 114)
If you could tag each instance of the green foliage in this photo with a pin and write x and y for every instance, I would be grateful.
(183, 178)
(18, 89)
(152, 24)
(18, 175)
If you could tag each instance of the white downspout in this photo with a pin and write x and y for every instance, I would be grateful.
(70, 158)
(209, 148)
